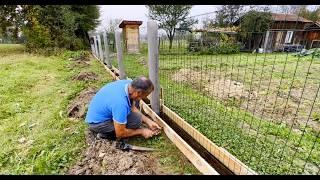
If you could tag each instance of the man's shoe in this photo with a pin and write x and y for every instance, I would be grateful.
(110, 136)
(102, 136)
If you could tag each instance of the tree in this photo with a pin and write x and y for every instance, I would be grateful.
(86, 18)
(53, 26)
(252, 27)
(313, 15)
(228, 14)
(170, 16)
(10, 21)
(113, 25)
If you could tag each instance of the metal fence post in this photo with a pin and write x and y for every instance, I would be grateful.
(106, 50)
(153, 63)
(120, 55)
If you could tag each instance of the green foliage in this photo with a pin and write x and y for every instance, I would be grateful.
(228, 14)
(313, 15)
(50, 27)
(314, 52)
(170, 16)
(253, 25)
(217, 43)
(223, 48)
(75, 54)
(10, 22)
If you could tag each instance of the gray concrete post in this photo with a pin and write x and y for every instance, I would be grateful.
(120, 54)
(106, 50)
(95, 46)
(153, 63)
(100, 47)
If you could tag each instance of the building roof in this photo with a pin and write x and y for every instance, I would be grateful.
(289, 17)
(217, 30)
(282, 17)
(314, 26)
(125, 22)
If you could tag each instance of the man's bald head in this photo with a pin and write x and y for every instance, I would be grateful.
(142, 84)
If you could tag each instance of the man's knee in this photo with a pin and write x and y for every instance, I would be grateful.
(104, 127)
(134, 120)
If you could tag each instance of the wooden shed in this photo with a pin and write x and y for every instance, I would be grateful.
(131, 35)
(313, 35)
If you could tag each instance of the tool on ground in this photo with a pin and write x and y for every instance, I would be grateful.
(126, 147)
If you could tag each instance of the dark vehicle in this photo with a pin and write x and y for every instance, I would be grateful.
(292, 48)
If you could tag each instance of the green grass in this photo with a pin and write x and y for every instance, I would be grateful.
(34, 94)
(6, 49)
(266, 147)
(35, 90)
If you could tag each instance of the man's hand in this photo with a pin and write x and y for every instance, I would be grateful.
(153, 125)
(147, 133)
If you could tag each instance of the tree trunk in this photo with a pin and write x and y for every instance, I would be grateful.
(86, 38)
(170, 42)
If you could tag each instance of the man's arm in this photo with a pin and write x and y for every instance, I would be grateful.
(151, 124)
(122, 132)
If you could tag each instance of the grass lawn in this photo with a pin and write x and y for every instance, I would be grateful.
(36, 137)
(267, 143)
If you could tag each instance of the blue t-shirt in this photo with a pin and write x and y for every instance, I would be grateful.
(110, 103)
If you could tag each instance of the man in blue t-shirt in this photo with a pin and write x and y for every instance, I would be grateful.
(113, 111)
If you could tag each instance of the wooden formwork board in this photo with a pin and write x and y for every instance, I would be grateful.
(235, 165)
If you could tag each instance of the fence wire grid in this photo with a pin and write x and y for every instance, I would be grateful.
(256, 96)
(254, 93)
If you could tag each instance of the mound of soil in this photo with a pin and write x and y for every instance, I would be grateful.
(143, 61)
(86, 76)
(101, 157)
(82, 61)
(80, 58)
(79, 105)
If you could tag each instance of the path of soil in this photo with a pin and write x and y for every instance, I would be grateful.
(101, 157)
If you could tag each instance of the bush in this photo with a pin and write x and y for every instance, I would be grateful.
(225, 48)
(75, 54)
(214, 44)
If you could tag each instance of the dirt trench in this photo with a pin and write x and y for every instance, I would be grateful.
(78, 106)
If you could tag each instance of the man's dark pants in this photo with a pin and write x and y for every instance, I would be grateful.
(107, 128)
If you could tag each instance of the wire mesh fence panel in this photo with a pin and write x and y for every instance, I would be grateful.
(254, 92)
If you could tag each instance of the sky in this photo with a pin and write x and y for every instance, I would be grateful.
(139, 13)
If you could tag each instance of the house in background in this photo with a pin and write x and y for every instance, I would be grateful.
(289, 32)
(313, 35)
(286, 33)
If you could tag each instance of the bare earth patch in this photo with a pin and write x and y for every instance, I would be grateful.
(79, 105)
(82, 61)
(101, 157)
(221, 88)
(86, 76)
